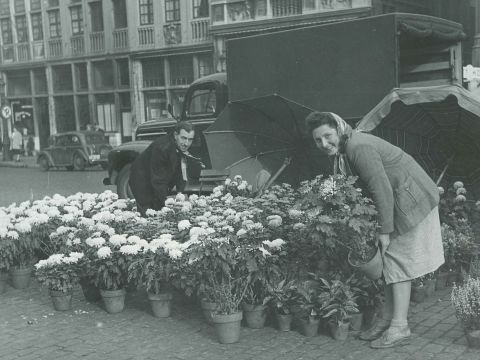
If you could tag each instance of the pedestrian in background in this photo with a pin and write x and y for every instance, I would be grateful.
(406, 199)
(16, 143)
(161, 167)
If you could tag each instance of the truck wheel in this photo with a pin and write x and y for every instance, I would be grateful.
(79, 162)
(43, 162)
(123, 189)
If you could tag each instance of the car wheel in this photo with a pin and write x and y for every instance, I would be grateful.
(43, 162)
(69, 167)
(79, 162)
(123, 189)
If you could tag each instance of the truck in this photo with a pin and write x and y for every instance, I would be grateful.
(345, 67)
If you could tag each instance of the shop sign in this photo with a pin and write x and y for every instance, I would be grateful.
(471, 73)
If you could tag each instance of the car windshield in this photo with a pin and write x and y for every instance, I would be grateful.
(96, 139)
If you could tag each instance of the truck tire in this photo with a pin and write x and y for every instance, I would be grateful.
(123, 189)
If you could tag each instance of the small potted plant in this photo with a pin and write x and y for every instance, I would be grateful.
(466, 302)
(281, 297)
(59, 273)
(310, 307)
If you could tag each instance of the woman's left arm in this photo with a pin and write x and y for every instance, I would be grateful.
(369, 166)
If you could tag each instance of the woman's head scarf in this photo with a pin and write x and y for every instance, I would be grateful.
(344, 131)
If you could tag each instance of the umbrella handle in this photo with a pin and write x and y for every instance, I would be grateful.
(274, 177)
(444, 170)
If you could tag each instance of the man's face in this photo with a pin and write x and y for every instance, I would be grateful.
(184, 139)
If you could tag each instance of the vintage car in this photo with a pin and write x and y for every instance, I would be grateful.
(75, 150)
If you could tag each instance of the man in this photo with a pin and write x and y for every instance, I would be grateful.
(162, 166)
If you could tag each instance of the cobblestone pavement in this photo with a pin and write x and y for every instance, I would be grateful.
(31, 330)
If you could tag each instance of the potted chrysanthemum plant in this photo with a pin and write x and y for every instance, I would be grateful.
(466, 302)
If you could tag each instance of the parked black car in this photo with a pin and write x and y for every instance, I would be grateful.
(75, 150)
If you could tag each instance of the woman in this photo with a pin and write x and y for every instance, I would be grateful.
(407, 203)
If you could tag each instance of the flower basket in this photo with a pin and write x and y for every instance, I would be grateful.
(372, 269)
(3, 281)
(254, 315)
(227, 327)
(284, 321)
(114, 300)
(62, 301)
(161, 304)
(309, 327)
(21, 277)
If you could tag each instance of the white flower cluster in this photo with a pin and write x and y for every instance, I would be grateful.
(58, 259)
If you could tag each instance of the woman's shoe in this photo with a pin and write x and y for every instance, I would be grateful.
(374, 332)
(393, 336)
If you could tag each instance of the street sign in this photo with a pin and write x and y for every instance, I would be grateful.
(6, 111)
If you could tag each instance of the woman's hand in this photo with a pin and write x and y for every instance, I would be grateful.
(384, 240)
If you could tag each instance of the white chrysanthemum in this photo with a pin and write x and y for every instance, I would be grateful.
(70, 260)
(53, 212)
(184, 225)
(457, 185)
(228, 181)
(460, 198)
(133, 239)
(441, 190)
(55, 259)
(277, 243)
(461, 191)
(103, 216)
(243, 185)
(38, 219)
(193, 198)
(202, 203)
(23, 227)
(187, 207)
(241, 232)
(150, 212)
(77, 255)
(130, 249)
(298, 226)
(86, 221)
(63, 229)
(76, 241)
(175, 253)
(13, 234)
(294, 213)
(229, 212)
(166, 237)
(169, 201)
(67, 218)
(104, 252)
(117, 240)
(95, 242)
(180, 197)
(41, 264)
(264, 251)
(274, 221)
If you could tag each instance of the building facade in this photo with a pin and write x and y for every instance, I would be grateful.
(117, 63)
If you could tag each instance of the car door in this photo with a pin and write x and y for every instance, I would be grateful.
(59, 150)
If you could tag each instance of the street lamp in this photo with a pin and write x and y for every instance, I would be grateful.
(6, 134)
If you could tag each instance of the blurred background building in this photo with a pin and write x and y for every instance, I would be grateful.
(116, 63)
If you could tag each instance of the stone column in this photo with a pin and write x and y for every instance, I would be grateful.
(476, 40)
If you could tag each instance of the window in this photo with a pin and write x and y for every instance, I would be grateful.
(40, 81)
(146, 12)
(96, 14)
(81, 76)
(119, 14)
(181, 70)
(218, 13)
(309, 4)
(203, 102)
(4, 7)
(103, 74)
(76, 15)
(153, 74)
(53, 3)
(155, 105)
(6, 26)
(22, 31)
(35, 5)
(200, 8)
(37, 29)
(172, 10)
(205, 65)
(54, 24)
(261, 8)
(62, 78)
(19, 6)
(123, 72)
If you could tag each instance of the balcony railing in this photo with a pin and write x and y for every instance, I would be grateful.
(286, 7)
(120, 39)
(97, 42)
(23, 52)
(200, 30)
(78, 45)
(146, 36)
(55, 48)
(38, 50)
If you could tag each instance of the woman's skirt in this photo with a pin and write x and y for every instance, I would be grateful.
(415, 253)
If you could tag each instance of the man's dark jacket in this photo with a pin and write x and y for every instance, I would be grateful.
(155, 172)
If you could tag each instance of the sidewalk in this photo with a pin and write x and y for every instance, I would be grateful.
(25, 162)
(31, 330)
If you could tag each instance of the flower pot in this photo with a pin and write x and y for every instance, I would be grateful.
(114, 300)
(284, 321)
(227, 327)
(418, 294)
(90, 291)
(3, 281)
(356, 321)
(339, 331)
(161, 304)
(62, 301)
(208, 309)
(430, 287)
(254, 315)
(441, 283)
(21, 277)
(473, 338)
(369, 316)
(372, 269)
(309, 327)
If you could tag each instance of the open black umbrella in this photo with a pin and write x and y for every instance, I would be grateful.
(265, 133)
(439, 126)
